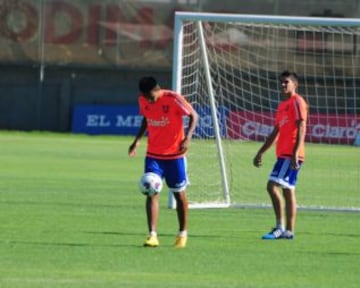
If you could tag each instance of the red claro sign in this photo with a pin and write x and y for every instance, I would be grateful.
(83, 23)
(321, 128)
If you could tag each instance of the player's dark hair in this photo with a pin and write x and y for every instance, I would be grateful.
(288, 74)
(146, 84)
(293, 76)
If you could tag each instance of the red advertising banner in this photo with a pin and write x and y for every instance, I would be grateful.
(249, 125)
(321, 128)
(103, 32)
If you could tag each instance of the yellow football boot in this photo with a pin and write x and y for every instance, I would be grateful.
(180, 242)
(151, 241)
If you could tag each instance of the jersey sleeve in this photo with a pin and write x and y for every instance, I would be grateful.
(277, 116)
(184, 106)
(300, 109)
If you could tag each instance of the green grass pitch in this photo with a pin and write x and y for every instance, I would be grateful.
(71, 216)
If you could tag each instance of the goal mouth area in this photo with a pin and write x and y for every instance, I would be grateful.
(228, 65)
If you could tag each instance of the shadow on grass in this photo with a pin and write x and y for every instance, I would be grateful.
(340, 234)
(67, 204)
(239, 235)
(70, 244)
(332, 253)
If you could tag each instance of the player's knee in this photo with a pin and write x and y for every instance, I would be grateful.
(271, 187)
(180, 195)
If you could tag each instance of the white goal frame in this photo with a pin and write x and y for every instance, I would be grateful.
(198, 18)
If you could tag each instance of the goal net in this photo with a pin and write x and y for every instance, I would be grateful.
(228, 67)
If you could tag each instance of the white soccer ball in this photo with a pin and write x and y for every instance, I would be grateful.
(150, 184)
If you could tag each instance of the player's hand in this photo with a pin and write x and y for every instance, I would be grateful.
(257, 160)
(185, 144)
(295, 162)
(132, 148)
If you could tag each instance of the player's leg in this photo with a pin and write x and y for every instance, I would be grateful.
(181, 209)
(278, 206)
(274, 189)
(152, 212)
(176, 180)
(290, 203)
(152, 204)
(290, 180)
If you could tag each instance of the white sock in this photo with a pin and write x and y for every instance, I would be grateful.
(153, 234)
(280, 226)
(182, 233)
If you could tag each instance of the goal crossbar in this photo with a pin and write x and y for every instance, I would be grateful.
(270, 19)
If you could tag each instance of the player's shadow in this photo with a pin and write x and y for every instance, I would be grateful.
(333, 234)
(65, 204)
(126, 233)
(115, 233)
(333, 253)
(66, 244)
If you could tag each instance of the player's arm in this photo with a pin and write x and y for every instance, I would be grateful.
(193, 120)
(300, 138)
(267, 144)
(136, 142)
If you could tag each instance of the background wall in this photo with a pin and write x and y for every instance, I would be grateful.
(57, 54)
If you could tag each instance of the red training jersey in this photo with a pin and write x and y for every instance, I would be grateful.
(165, 124)
(288, 113)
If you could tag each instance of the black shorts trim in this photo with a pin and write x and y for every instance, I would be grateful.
(289, 156)
(168, 156)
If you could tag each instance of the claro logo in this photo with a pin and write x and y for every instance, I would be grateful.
(252, 128)
(328, 131)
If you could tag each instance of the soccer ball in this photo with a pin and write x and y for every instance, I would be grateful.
(150, 184)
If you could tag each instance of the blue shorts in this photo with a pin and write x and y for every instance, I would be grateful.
(283, 174)
(174, 171)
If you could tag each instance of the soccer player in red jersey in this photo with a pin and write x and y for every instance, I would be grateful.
(163, 112)
(289, 135)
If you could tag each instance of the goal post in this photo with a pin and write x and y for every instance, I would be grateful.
(205, 59)
(227, 66)
(177, 87)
